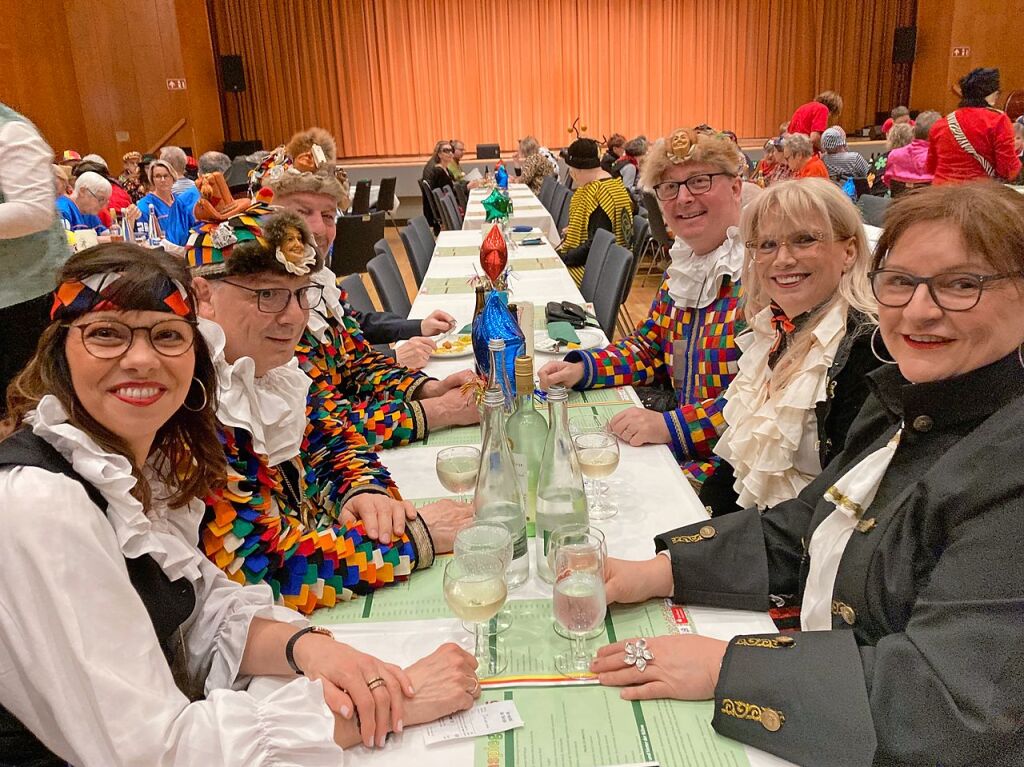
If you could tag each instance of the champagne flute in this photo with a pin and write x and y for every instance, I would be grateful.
(575, 531)
(579, 601)
(457, 468)
(475, 590)
(598, 452)
(488, 538)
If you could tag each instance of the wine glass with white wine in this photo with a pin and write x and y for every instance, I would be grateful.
(457, 468)
(475, 590)
(597, 450)
(579, 600)
(483, 537)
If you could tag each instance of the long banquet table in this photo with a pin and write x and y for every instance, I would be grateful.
(564, 725)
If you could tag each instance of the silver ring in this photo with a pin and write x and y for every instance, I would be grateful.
(638, 655)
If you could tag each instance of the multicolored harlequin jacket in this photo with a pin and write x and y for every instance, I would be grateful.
(353, 382)
(693, 350)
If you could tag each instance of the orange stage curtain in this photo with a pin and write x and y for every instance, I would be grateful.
(390, 77)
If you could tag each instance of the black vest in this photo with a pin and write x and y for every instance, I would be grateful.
(169, 603)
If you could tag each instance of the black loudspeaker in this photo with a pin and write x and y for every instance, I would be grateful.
(232, 74)
(488, 151)
(904, 44)
(235, 148)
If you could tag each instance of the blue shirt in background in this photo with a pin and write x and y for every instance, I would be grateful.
(77, 219)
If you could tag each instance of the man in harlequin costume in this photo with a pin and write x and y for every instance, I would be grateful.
(307, 506)
(686, 348)
(385, 402)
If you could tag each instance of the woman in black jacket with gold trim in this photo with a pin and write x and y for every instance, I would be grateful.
(906, 549)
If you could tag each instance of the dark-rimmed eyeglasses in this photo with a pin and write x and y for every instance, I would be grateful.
(767, 248)
(110, 339)
(952, 291)
(447, 150)
(276, 300)
(695, 185)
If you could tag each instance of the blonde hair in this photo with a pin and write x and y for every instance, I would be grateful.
(715, 150)
(528, 146)
(161, 164)
(900, 134)
(805, 203)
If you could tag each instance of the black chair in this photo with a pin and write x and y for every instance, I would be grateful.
(387, 279)
(451, 210)
(431, 211)
(386, 195)
(872, 209)
(353, 244)
(641, 240)
(419, 256)
(562, 220)
(612, 283)
(661, 240)
(358, 298)
(462, 195)
(361, 198)
(599, 245)
(442, 213)
(547, 191)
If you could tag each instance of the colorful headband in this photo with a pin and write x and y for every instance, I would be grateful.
(91, 294)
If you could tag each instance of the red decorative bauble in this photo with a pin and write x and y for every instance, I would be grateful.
(493, 254)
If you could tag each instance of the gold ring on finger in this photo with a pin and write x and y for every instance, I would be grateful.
(374, 683)
(475, 688)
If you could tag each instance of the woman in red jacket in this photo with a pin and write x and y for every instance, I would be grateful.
(976, 140)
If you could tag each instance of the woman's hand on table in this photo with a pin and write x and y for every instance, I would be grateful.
(383, 517)
(628, 582)
(444, 519)
(639, 426)
(438, 321)
(445, 682)
(684, 667)
(566, 373)
(346, 675)
(415, 353)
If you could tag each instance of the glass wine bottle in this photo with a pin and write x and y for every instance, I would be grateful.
(497, 378)
(560, 496)
(498, 498)
(527, 432)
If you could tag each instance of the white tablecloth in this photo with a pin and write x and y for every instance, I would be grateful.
(527, 210)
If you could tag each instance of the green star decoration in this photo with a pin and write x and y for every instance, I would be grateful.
(497, 206)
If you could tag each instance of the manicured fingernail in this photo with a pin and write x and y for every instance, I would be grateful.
(345, 711)
(380, 741)
(412, 690)
(399, 726)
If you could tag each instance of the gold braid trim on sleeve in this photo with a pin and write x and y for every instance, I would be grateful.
(417, 530)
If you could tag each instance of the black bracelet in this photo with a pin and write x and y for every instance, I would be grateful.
(290, 647)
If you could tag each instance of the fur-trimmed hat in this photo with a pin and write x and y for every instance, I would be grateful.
(253, 242)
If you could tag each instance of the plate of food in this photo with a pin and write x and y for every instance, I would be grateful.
(458, 345)
(590, 338)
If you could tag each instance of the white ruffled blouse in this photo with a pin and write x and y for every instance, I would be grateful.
(272, 408)
(694, 281)
(771, 438)
(80, 664)
(330, 306)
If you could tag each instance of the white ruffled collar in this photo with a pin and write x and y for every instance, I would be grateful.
(272, 408)
(331, 304)
(169, 536)
(694, 281)
(770, 438)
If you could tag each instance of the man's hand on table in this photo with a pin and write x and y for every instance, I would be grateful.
(445, 682)
(566, 373)
(437, 321)
(444, 519)
(436, 388)
(685, 667)
(639, 426)
(628, 582)
(415, 353)
(383, 517)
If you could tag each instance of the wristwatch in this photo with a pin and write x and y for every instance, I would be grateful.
(290, 647)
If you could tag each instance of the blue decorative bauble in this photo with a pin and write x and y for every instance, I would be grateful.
(496, 321)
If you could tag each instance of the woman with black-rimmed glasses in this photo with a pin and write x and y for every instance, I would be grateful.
(905, 551)
(801, 377)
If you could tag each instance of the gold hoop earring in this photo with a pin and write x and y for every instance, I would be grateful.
(877, 355)
(205, 398)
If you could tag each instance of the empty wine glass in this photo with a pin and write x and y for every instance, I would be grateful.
(488, 538)
(457, 468)
(598, 452)
(579, 600)
(475, 590)
(575, 531)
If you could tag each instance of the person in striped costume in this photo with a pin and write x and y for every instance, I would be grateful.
(687, 345)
